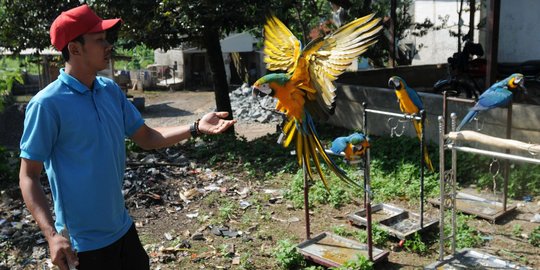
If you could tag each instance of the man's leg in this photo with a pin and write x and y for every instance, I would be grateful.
(104, 258)
(134, 256)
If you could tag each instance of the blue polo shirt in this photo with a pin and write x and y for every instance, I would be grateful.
(80, 136)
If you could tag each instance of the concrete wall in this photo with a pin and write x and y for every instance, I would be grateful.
(437, 45)
(421, 77)
(518, 33)
(526, 118)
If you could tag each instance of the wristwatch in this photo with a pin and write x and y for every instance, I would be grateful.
(194, 129)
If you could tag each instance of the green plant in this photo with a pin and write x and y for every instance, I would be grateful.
(314, 267)
(246, 262)
(466, 236)
(341, 231)
(359, 263)
(379, 236)
(9, 165)
(416, 245)
(226, 210)
(517, 230)
(7, 79)
(534, 237)
(287, 256)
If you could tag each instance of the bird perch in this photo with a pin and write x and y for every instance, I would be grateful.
(473, 136)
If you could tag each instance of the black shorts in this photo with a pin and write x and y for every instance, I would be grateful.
(126, 253)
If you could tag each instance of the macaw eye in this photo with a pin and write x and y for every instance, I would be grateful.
(517, 80)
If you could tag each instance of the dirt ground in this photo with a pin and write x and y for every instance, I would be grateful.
(184, 107)
(182, 212)
(502, 239)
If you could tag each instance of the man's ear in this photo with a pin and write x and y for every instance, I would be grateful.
(74, 48)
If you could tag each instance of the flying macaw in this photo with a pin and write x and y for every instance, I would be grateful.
(307, 89)
(354, 146)
(498, 95)
(410, 103)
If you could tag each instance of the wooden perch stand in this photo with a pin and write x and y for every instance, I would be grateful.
(473, 136)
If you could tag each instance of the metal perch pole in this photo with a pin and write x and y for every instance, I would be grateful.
(306, 200)
(367, 190)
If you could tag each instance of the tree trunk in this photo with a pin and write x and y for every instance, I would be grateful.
(217, 67)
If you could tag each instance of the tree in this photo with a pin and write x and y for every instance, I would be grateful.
(25, 23)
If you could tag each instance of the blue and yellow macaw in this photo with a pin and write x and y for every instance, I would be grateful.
(307, 88)
(498, 95)
(354, 146)
(410, 103)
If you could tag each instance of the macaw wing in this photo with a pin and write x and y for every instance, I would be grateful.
(415, 98)
(328, 58)
(281, 47)
(492, 99)
(339, 144)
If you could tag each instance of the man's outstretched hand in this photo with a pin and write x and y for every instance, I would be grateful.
(214, 123)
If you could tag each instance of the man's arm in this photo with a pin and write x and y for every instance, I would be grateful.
(36, 201)
(153, 138)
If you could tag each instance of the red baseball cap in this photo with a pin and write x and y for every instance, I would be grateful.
(75, 22)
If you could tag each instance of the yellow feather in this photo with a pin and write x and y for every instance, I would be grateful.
(316, 159)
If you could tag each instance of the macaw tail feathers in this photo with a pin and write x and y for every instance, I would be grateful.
(467, 119)
(427, 160)
(309, 148)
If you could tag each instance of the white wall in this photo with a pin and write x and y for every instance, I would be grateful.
(439, 45)
(519, 31)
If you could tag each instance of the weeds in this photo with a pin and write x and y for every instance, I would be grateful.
(466, 236)
(534, 237)
(287, 256)
(416, 245)
(359, 263)
(517, 230)
(9, 165)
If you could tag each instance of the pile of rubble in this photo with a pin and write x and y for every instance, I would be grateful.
(249, 108)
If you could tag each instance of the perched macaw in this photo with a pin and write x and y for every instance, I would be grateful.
(354, 146)
(410, 103)
(307, 89)
(498, 95)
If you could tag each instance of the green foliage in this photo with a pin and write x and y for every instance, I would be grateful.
(466, 236)
(9, 165)
(287, 257)
(7, 79)
(359, 263)
(226, 210)
(379, 236)
(338, 194)
(534, 237)
(517, 230)
(141, 56)
(314, 267)
(474, 169)
(131, 146)
(261, 158)
(416, 245)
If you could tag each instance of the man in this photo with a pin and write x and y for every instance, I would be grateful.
(75, 128)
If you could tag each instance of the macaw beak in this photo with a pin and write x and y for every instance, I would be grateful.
(261, 92)
(393, 83)
(256, 92)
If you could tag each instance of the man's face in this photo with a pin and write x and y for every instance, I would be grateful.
(96, 51)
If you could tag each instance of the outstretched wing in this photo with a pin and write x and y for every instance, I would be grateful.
(281, 47)
(328, 58)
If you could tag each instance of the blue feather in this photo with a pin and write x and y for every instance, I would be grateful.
(496, 96)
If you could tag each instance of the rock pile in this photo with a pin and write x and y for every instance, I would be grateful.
(248, 108)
